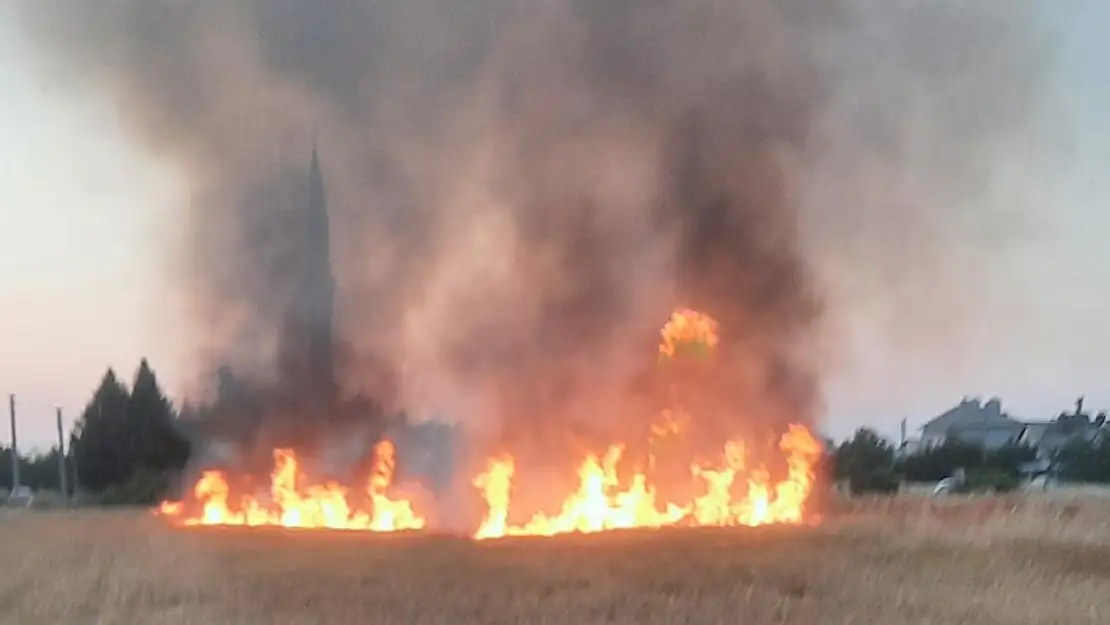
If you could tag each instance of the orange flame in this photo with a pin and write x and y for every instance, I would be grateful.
(296, 506)
(687, 326)
(734, 493)
(600, 504)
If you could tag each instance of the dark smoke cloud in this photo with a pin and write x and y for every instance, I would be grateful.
(521, 191)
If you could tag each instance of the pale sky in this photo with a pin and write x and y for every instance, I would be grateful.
(80, 247)
(1052, 343)
(83, 244)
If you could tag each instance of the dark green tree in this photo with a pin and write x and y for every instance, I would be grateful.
(1009, 459)
(99, 445)
(40, 471)
(126, 445)
(936, 463)
(865, 452)
(37, 471)
(1084, 460)
(866, 461)
(153, 439)
(6, 469)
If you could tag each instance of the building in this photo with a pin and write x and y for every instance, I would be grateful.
(249, 417)
(970, 421)
(307, 350)
(988, 425)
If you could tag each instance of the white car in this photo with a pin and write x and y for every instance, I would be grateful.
(945, 486)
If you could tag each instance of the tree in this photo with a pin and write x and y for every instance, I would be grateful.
(6, 468)
(936, 463)
(866, 460)
(126, 444)
(153, 438)
(1084, 460)
(1009, 459)
(40, 471)
(99, 443)
(865, 452)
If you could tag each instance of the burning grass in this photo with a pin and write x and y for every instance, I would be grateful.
(736, 487)
(870, 566)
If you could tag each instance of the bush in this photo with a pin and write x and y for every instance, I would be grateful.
(878, 481)
(144, 488)
(982, 480)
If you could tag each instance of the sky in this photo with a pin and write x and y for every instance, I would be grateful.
(84, 243)
(1043, 339)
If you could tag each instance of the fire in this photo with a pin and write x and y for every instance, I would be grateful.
(735, 489)
(292, 504)
(601, 503)
(733, 494)
(595, 507)
(687, 327)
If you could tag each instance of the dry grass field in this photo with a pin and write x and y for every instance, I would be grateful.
(993, 561)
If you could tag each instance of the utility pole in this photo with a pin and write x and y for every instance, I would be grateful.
(62, 473)
(14, 448)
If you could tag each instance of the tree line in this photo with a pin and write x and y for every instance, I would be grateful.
(870, 463)
(126, 446)
(38, 471)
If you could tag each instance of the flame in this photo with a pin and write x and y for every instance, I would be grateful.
(735, 492)
(296, 506)
(732, 496)
(600, 503)
(389, 515)
(687, 327)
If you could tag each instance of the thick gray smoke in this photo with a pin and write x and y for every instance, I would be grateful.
(520, 192)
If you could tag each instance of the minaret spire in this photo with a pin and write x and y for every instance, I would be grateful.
(308, 354)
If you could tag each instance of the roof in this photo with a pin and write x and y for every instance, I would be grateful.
(970, 412)
(1057, 437)
(991, 436)
(988, 425)
(1034, 433)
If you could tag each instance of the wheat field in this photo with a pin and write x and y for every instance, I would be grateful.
(983, 562)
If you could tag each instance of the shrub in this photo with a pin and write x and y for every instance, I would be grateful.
(981, 480)
(144, 488)
(877, 481)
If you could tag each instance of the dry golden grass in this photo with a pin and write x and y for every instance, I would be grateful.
(972, 562)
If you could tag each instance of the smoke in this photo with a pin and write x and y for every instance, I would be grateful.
(520, 192)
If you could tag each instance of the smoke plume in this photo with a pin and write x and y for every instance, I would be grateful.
(521, 192)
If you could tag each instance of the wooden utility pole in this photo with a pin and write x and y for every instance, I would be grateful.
(14, 448)
(63, 475)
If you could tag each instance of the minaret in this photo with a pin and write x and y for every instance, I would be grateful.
(307, 356)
